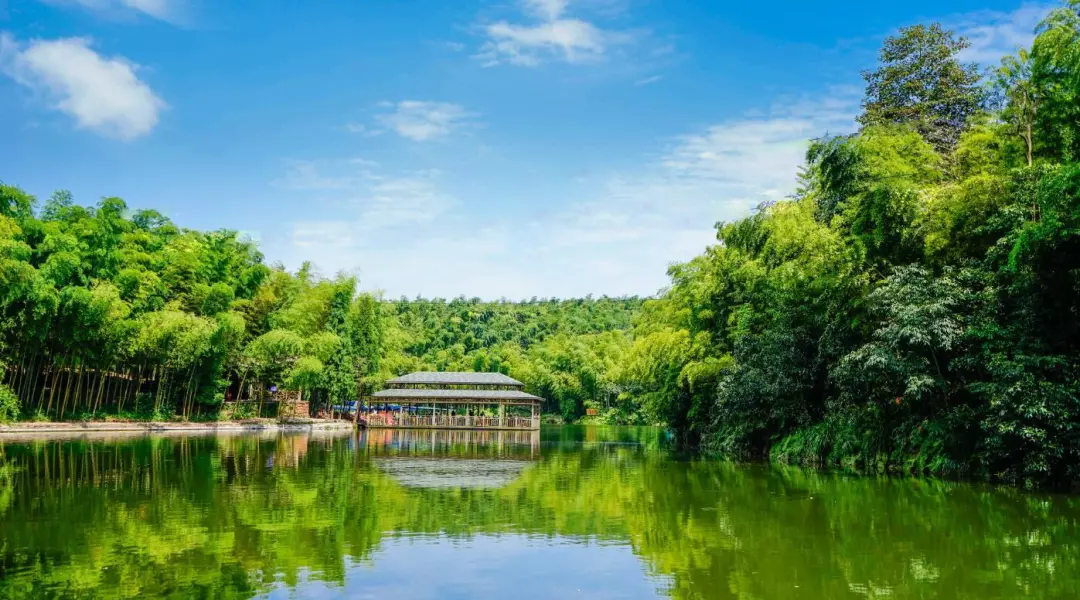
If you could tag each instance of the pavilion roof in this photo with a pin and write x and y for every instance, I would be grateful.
(450, 395)
(439, 472)
(455, 378)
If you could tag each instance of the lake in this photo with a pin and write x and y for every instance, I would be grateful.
(589, 512)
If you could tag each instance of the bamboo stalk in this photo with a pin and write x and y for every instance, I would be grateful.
(23, 371)
(35, 375)
(67, 390)
(78, 387)
(52, 388)
(101, 390)
(45, 381)
(157, 392)
(190, 395)
(108, 383)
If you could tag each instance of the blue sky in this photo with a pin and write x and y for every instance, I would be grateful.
(509, 148)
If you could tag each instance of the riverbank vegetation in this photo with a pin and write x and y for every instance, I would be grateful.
(913, 306)
(108, 311)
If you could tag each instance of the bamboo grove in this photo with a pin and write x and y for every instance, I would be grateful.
(106, 311)
(914, 305)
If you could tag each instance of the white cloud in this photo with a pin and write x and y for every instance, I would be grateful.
(101, 94)
(574, 40)
(364, 200)
(304, 175)
(747, 154)
(483, 262)
(547, 9)
(400, 232)
(637, 223)
(422, 121)
(155, 8)
(404, 200)
(554, 37)
(648, 80)
(164, 10)
(994, 34)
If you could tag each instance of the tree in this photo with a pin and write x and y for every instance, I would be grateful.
(341, 366)
(921, 83)
(1055, 81)
(1014, 83)
(869, 185)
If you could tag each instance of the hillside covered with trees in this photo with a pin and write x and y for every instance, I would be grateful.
(569, 352)
(914, 305)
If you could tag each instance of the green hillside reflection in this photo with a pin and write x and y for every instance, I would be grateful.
(232, 516)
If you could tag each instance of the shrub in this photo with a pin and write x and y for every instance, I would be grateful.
(9, 405)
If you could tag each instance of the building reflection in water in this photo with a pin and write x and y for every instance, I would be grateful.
(478, 459)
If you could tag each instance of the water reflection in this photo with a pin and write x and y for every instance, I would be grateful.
(607, 511)
(450, 459)
(450, 443)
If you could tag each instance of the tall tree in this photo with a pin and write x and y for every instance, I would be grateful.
(1055, 76)
(1020, 96)
(341, 366)
(922, 83)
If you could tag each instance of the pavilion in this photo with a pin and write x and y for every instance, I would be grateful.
(452, 400)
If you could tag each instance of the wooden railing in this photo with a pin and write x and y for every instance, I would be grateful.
(406, 420)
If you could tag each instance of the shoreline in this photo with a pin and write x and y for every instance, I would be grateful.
(46, 429)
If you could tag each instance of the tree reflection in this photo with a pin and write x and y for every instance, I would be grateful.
(229, 516)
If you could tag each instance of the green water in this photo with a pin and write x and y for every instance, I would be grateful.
(569, 512)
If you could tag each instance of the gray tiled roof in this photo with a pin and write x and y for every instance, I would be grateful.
(411, 394)
(455, 378)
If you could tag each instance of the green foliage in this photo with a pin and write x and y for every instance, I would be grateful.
(569, 352)
(921, 83)
(306, 373)
(218, 299)
(913, 307)
(871, 187)
(1055, 81)
(133, 316)
(1021, 98)
(105, 313)
(9, 405)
